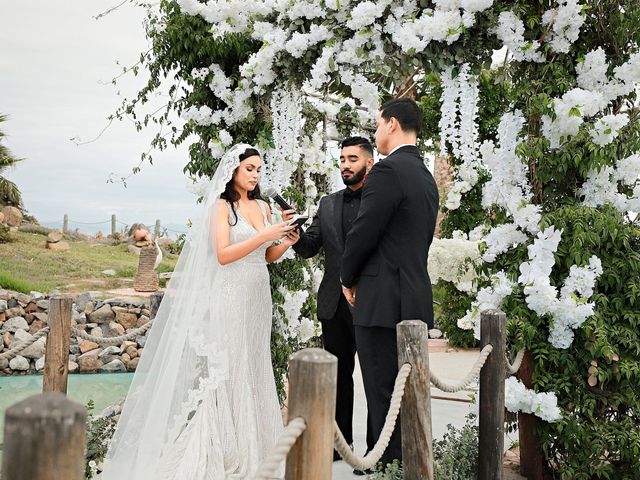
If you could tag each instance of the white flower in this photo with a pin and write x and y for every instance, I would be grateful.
(225, 138)
(306, 330)
(510, 31)
(607, 128)
(453, 260)
(565, 22)
(519, 398)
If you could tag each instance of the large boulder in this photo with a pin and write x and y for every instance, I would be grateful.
(89, 362)
(3, 306)
(59, 246)
(12, 216)
(87, 346)
(104, 314)
(19, 363)
(126, 319)
(112, 330)
(114, 366)
(14, 324)
(55, 236)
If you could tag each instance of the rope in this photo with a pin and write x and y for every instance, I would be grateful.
(373, 457)
(512, 369)
(112, 340)
(466, 381)
(13, 352)
(89, 223)
(282, 447)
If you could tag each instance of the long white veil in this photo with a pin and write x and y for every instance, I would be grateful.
(184, 363)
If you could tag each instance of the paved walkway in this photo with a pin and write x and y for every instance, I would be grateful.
(452, 366)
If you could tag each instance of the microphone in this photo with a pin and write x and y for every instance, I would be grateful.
(271, 193)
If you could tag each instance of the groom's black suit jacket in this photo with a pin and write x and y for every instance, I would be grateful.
(386, 249)
(326, 232)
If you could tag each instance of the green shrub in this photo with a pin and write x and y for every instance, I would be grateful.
(100, 430)
(390, 471)
(452, 305)
(456, 454)
(9, 283)
(5, 233)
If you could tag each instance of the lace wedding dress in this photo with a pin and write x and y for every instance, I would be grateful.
(203, 402)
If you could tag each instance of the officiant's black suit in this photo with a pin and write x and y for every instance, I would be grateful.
(327, 232)
(385, 256)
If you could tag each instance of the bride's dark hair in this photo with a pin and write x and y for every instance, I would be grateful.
(231, 195)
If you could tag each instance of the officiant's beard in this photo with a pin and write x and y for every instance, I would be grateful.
(355, 178)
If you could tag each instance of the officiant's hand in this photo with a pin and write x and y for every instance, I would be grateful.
(350, 295)
(292, 237)
(276, 232)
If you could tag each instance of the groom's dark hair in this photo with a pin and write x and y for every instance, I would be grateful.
(406, 111)
(361, 142)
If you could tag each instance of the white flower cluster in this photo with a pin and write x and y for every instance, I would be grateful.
(458, 127)
(565, 22)
(607, 128)
(568, 311)
(510, 30)
(286, 118)
(289, 325)
(518, 398)
(453, 260)
(488, 298)
(601, 186)
(501, 239)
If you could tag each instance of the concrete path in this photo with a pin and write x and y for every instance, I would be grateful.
(452, 366)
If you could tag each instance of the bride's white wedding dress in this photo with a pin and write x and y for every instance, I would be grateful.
(202, 404)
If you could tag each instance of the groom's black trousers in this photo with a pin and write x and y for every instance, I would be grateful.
(378, 356)
(338, 338)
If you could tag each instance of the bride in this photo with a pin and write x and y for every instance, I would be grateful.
(202, 404)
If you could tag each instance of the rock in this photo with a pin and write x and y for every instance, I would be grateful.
(19, 363)
(7, 339)
(113, 329)
(31, 307)
(1, 217)
(118, 309)
(87, 346)
(141, 321)
(133, 249)
(36, 350)
(23, 298)
(109, 273)
(14, 324)
(146, 312)
(132, 351)
(36, 326)
(40, 364)
(84, 298)
(133, 364)
(43, 304)
(125, 358)
(435, 333)
(4, 366)
(96, 332)
(74, 349)
(141, 340)
(3, 306)
(127, 320)
(3, 317)
(111, 411)
(73, 367)
(104, 314)
(12, 303)
(114, 366)
(126, 344)
(15, 312)
(29, 318)
(89, 362)
(55, 236)
(35, 296)
(12, 217)
(109, 354)
(90, 326)
(41, 316)
(60, 246)
(80, 318)
(54, 293)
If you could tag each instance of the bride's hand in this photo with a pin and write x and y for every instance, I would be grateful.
(276, 231)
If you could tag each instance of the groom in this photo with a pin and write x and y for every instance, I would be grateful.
(330, 226)
(384, 266)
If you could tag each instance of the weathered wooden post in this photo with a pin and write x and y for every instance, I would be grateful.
(312, 395)
(65, 223)
(157, 229)
(114, 227)
(56, 357)
(417, 448)
(44, 439)
(492, 376)
(154, 303)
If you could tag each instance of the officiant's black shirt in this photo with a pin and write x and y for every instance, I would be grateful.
(350, 208)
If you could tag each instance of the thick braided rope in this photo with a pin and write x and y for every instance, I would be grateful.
(112, 340)
(281, 449)
(12, 353)
(512, 369)
(373, 457)
(466, 381)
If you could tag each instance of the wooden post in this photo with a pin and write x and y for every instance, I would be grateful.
(44, 439)
(56, 357)
(492, 376)
(65, 223)
(532, 461)
(313, 379)
(154, 303)
(417, 449)
(157, 228)
(114, 227)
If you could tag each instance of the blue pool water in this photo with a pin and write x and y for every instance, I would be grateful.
(103, 388)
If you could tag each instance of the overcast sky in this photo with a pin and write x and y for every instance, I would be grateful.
(53, 58)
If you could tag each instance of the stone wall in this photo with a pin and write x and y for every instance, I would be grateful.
(21, 316)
